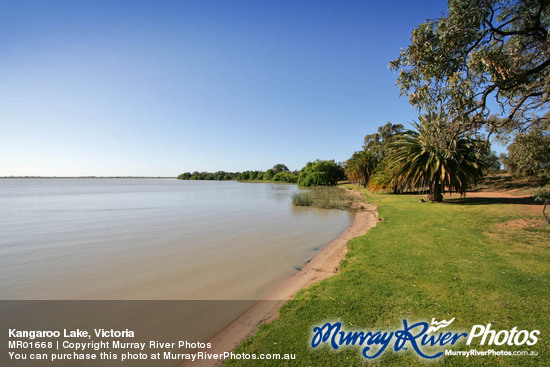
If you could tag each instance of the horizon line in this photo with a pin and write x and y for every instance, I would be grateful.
(88, 176)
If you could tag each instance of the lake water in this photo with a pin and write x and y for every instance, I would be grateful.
(153, 239)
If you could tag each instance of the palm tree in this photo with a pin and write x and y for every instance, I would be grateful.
(428, 158)
(360, 167)
(381, 179)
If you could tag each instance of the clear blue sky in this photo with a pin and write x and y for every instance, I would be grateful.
(156, 88)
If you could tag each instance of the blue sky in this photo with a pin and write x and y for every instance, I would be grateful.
(156, 88)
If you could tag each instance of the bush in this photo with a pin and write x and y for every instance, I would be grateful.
(244, 175)
(268, 175)
(314, 179)
(285, 177)
(321, 173)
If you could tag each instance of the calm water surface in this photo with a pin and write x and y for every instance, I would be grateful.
(153, 238)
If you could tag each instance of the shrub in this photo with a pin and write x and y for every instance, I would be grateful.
(285, 177)
(321, 173)
(268, 175)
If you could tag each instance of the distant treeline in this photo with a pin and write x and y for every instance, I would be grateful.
(313, 174)
(279, 173)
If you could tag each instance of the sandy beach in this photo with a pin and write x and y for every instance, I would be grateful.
(323, 265)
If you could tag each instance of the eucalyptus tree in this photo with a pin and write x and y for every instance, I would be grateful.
(377, 143)
(279, 167)
(530, 153)
(483, 53)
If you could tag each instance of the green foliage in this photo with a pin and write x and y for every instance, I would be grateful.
(480, 50)
(280, 168)
(285, 177)
(542, 194)
(185, 176)
(321, 173)
(314, 179)
(425, 159)
(361, 166)
(490, 159)
(369, 164)
(268, 175)
(504, 161)
(220, 176)
(244, 176)
(530, 153)
(381, 180)
(377, 143)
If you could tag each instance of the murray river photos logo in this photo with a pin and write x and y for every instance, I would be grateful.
(421, 337)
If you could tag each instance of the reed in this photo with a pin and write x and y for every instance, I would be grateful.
(324, 197)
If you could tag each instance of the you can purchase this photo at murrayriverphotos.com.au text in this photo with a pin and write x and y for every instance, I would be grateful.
(274, 183)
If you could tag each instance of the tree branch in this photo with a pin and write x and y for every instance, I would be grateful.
(521, 102)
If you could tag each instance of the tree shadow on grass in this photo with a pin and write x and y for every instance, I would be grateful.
(502, 182)
(490, 200)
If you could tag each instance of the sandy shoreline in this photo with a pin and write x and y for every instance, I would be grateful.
(323, 265)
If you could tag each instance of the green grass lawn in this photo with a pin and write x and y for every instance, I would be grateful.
(475, 262)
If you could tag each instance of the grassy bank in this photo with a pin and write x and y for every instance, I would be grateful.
(479, 261)
(324, 197)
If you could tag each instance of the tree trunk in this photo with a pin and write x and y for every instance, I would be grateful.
(435, 193)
